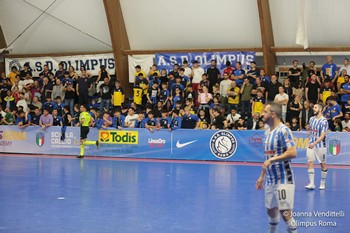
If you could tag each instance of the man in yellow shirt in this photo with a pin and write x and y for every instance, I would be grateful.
(138, 71)
(233, 96)
(12, 75)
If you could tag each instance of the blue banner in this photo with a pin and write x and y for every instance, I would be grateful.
(167, 60)
(182, 144)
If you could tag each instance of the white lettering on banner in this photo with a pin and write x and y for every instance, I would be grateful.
(183, 58)
(161, 61)
(91, 62)
(221, 59)
(231, 57)
(172, 60)
(69, 142)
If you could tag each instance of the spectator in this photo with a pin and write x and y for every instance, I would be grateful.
(153, 71)
(329, 69)
(202, 119)
(4, 88)
(106, 95)
(102, 75)
(299, 90)
(35, 90)
(76, 114)
(27, 83)
(175, 70)
(335, 112)
(341, 79)
(46, 72)
(176, 120)
(283, 99)
(204, 99)
(253, 122)
(83, 88)
(178, 85)
(130, 118)
(37, 103)
(325, 90)
(346, 108)
(197, 73)
(308, 71)
(188, 70)
(25, 71)
(143, 83)
(345, 66)
(69, 95)
(346, 123)
(258, 86)
(245, 91)
(272, 88)
(118, 120)
(239, 74)
(229, 70)
(58, 90)
(312, 90)
(9, 118)
(213, 75)
(241, 124)
(57, 120)
(261, 125)
(204, 82)
(46, 120)
(164, 122)
(22, 102)
(294, 74)
(288, 89)
(258, 102)
(12, 75)
(189, 121)
(265, 80)
(105, 121)
(190, 93)
(66, 79)
(60, 72)
(233, 96)
(140, 121)
(138, 72)
(35, 116)
(151, 122)
(253, 73)
(218, 120)
(295, 108)
(184, 80)
(294, 126)
(49, 104)
(46, 89)
(9, 101)
(23, 120)
(338, 125)
(216, 91)
(118, 95)
(344, 92)
(232, 118)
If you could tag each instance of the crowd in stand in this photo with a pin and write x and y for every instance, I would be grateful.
(186, 97)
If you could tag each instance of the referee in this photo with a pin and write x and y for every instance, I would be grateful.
(85, 120)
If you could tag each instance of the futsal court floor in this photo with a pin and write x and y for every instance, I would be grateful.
(63, 194)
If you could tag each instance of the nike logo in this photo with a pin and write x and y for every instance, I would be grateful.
(180, 145)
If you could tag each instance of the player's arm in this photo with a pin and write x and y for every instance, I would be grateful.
(319, 139)
(289, 154)
(260, 182)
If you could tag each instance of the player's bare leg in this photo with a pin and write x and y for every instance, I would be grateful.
(289, 220)
(273, 220)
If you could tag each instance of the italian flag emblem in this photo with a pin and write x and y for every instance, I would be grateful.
(334, 147)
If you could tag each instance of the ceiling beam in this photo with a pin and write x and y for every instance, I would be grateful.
(267, 38)
(312, 49)
(120, 41)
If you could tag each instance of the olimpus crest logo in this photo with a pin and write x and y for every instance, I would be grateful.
(334, 146)
(40, 139)
(223, 144)
(14, 63)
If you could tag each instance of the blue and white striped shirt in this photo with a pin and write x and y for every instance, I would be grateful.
(317, 126)
(277, 142)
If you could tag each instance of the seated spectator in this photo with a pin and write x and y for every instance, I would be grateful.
(151, 122)
(46, 119)
(76, 114)
(203, 119)
(261, 125)
(131, 118)
(253, 122)
(59, 105)
(294, 126)
(22, 102)
(9, 101)
(23, 120)
(241, 124)
(141, 120)
(49, 104)
(337, 125)
(10, 117)
(37, 103)
(105, 121)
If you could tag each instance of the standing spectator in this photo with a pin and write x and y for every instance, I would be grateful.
(12, 75)
(102, 74)
(258, 102)
(60, 72)
(345, 66)
(312, 90)
(288, 89)
(59, 105)
(204, 82)
(294, 73)
(153, 71)
(188, 70)
(37, 103)
(66, 78)
(245, 91)
(197, 73)
(36, 116)
(225, 85)
(265, 80)
(175, 70)
(325, 90)
(69, 95)
(253, 73)
(46, 120)
(118, 95)
(176, 120)
(308, 71)
(213, 75)
(329, 69)
(203, 99)
(4, 88)
(22, 102)
(26, 70)
(295, 108)
(153, 94)
(164, 122)
(184, 80)
(118, 119)
(106, 95)
(344, 91)
(282, 98)
(46, 72)
(189, 121)
(229, 70)
(35, 90)
(83, 88)
(272, 88)
(239, 74)
(335, 112)
(9, 118)
(233, 96)
(138, 72)
(258, 86)
(46, 89)
(58, 90)
(298, 90)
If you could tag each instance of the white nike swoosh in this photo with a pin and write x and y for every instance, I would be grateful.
(180, 145)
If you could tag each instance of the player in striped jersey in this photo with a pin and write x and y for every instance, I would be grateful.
(317, 147)
(279, 149)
